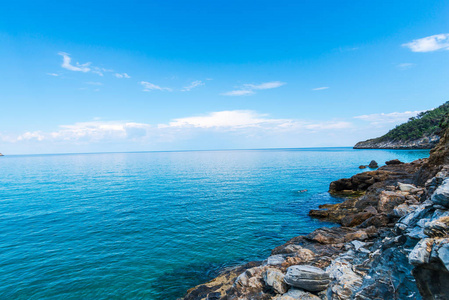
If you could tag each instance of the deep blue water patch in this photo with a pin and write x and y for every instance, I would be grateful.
(151, 225)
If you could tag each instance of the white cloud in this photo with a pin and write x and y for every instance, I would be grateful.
(194, 84)
(238, 93)
(53, 74)
(66, 64)
(264, 86)
(382, 118)
(35, 135)
(405, 66)
(148, 86)
(320, 88)
(430, 43)
(122, 75)
(224, 119)
(248, 88)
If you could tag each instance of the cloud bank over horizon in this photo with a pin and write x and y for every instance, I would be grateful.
(244, 127)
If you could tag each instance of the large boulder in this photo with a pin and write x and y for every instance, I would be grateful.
(307, 277)
(373, 165)
(389, 200)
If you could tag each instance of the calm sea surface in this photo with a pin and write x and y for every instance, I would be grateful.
(151, 225)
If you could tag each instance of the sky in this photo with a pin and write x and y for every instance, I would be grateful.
(112, 76)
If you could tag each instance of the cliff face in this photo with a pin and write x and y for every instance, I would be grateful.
(427, 142)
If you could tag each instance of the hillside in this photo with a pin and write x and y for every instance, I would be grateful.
(420, 132)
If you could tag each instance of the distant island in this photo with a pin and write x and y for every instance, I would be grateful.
(420, 132)
(1, 154)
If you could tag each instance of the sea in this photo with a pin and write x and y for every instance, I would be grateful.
(151, 225)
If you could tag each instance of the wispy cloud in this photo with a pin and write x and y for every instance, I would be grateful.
(53, 74)
(193, 85)
(122, 75)
(382, 118)
(320, 88)
(148, 86)
(238, 93)
(405, 66)
(66, 64)
(430, 43)
(249, 88)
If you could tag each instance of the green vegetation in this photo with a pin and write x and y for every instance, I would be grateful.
(424, 124)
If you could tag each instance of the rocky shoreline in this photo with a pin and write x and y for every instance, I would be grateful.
(393, 242)
(422, 143)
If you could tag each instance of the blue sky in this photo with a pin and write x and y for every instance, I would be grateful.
(88, 76)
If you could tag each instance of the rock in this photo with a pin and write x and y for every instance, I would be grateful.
(250, 281)
(371, 209)
(388, 200)
(402, 210)
(296, 294)
(437, 228)
(441, 194)
(307, 277)
(358, 244)
(335, 235)
(373, 165)
(346, 280)
(393, 162)
(377, 221)
(355, 219)
(275, 279)
(362, 167)
(404, 187)
(421, 253)
(276, 260)
(358, 235)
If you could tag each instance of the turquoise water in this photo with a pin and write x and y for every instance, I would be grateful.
(151, 225)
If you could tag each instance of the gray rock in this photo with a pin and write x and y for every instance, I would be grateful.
(436, 228)
(441, 194)
(346, 280)
(373, 164)
(274, 278)
(443, 253)
(276, 260)
(296, 294)
(421, 253)
(404, 187)
(307, 277)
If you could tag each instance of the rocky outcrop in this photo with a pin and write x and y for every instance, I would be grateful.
(393, 242)
(427, 142)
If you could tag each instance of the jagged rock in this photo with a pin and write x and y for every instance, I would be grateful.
(377, 221)
(307, 277)
(373, 165)
(402, 210)
(393, 162)
(250, 281)
(437, 228)
(355, 219)
(275, 279)
(297, 294)
(441, 195)
(362, 167)
(421, 253)
(388, 200)
(358, 235)
(346, 281)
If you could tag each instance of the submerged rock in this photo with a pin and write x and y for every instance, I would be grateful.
(307, 277)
